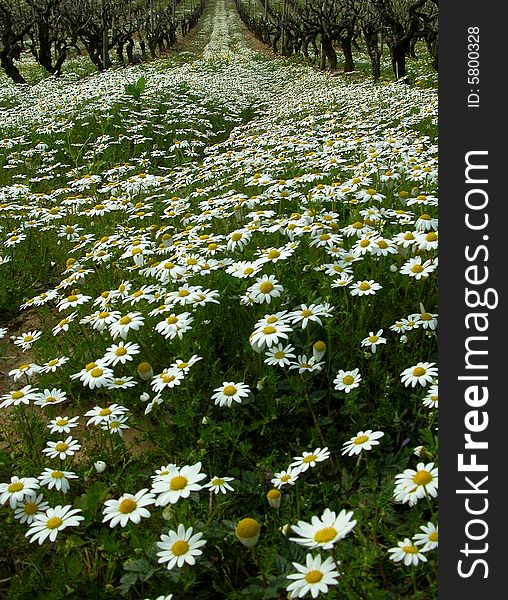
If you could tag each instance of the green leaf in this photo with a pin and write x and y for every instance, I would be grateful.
(137, 565)
(127, 581)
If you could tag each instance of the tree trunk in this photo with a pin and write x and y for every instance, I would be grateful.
(347, 50)
(329, 52)
(130, 51)
(119, 52)
(398, 51)
(44, 57)
(371, 41)
(10, 68)
(61, 53)
(432, 48)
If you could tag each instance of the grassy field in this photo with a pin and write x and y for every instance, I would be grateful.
(218, 302)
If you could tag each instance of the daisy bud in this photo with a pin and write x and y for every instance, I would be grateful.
(415, 192)
(274, 497)
(318, 350)
(100, 466)
(393, 268)
(168, 513)
(403, 339)
(167, 240)
(145, 371)
(420, 451)
(285, 529)
(247, 531)
(260, 384)
(144, 397)
(204, 421)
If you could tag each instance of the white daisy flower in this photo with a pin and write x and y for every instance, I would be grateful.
(363, 440)
(47, 525)
(180, 547)
(407, 552)
(230, 392)
(128, 508)
(322, 532)
(314, 577)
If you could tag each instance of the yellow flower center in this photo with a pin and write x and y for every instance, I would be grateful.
(422, 477)
(325, 535)
(15, 487)
(426, 217)
(285, 478)
(409, 236)
(382, 244)
(306, 313)
(280, 354)
(183, 293)
(178, 482)
(30, 508)
(125, 320)
(72, 298)
(310, 458)
(167, 378)
(313, 576)
(53, 362)
(62, 422)
(229, 390)
(127, 506)
(418, 372)
(431, 237)
(365, 243)
(28, 338)
(248, 271)
(17, 395)
(348, 380)
(269, 330)
(247, 528)
(266, 287)
(236, 236)
(273, 494)
(61, 447)
(218, 481)
(179, 548)
(433, 537)
(364, 286)
(97, 372)
(273, 254)
(57, 474)
(417, 268)
(373, 339)
(120, 351)
(361, 439)
(104, 412)
(54, 523)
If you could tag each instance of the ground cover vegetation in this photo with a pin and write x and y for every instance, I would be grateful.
(218, 319)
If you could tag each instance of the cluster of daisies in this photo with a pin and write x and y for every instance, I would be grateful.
(189, 224)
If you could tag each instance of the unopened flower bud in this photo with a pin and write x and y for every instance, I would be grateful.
(100, 466)
(318, 350)
(145, 371)
(247, 531)
(274, 498)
